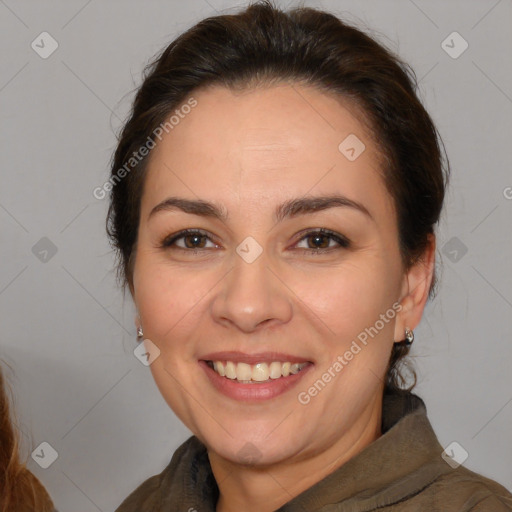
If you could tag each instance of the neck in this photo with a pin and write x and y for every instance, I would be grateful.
(266, 488)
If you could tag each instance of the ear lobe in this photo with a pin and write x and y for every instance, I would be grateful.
(415, 290)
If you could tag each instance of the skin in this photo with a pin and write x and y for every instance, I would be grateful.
(250, 152)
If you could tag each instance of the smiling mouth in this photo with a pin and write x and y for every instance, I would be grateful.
(255, 373)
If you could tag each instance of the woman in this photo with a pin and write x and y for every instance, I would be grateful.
(20, 490)
(274, 198)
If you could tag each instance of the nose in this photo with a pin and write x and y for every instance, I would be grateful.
(252, 297)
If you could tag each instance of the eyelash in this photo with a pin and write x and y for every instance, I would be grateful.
(343, 242)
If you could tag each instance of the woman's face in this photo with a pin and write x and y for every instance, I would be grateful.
(259, 284)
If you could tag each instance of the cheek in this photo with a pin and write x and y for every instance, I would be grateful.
(351, 299)
(169, 304)
(169, 300)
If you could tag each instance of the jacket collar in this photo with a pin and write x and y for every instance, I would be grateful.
(400, 463)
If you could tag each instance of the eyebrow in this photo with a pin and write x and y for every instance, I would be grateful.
(288, 209)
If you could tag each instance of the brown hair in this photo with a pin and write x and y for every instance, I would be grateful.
(20, 490)
(264, 45)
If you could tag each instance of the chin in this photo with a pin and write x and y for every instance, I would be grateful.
(248, 446)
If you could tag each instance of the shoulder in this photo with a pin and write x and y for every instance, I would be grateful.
(467, 491)
(149, 495)
(424, 480)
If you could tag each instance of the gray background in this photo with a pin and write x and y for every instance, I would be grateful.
(66, 330)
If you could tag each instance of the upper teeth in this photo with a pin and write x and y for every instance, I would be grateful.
(256, 372)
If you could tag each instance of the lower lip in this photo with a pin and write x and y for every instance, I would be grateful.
(253, 392)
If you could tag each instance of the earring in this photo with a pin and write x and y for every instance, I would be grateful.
(409, 336)
(140, 334)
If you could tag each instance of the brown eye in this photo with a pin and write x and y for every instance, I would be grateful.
(192, 239)
(321, 240)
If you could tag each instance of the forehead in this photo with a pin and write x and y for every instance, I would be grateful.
(274, 140)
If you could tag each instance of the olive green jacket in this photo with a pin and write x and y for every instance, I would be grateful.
(403, 470)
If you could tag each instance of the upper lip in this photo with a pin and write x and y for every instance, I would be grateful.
(260, 357)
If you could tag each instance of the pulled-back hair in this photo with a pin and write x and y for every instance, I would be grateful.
(264, 45)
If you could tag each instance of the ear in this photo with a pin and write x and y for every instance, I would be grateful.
(415, 290)
(137, 322)
(136, 319)
(131, 288)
